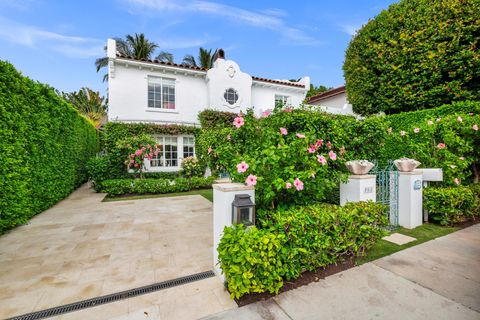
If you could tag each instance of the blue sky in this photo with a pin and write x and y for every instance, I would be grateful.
(57, 41)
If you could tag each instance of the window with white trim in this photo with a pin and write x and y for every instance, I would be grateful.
(188, 147)
(167, 155)
(281, 100)
(161, 93)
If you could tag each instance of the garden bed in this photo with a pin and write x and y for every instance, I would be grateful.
(304, 279)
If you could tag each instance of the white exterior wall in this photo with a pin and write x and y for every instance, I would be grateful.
(128, 94)
(263, 95)
(336, 104)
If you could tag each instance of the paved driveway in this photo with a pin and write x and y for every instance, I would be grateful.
(83, 248)
(439, 279)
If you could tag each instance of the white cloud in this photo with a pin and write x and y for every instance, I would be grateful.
(183, 43)
(350, 29)
(271, 19)
(34, 37)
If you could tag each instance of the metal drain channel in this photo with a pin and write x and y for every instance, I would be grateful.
(113, 297)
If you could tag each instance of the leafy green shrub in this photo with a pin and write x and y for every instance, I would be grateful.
(294, 240)
(417, 54)
(252, 260)
(191, 167)
(449, 205)
(98, 169)
(476, 198)
(44, 146)
(116, 187)
(213, 118)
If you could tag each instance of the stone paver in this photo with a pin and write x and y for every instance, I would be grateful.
(435, 280)
(83, 248)
(398, 238)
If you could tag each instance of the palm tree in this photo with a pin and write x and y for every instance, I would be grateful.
(88, 102)
(136, 46)
(205, 58)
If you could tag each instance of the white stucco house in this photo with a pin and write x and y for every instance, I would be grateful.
(332, 101)
(152, 91)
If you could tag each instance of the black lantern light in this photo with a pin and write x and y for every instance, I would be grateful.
(243, 210)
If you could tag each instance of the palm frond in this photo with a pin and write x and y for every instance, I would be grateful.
(189, 60)
(165, 57)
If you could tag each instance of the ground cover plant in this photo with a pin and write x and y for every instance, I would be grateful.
(44, 146)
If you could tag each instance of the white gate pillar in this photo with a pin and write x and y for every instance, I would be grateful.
(223, 196)
(358, 188)
(410, 199)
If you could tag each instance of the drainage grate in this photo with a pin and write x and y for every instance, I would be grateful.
(114, 297)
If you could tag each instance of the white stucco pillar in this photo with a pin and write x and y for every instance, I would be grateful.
(358, 188)
(223, 195)
(410, 200)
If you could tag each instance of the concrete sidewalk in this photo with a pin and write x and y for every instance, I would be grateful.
(439, 279)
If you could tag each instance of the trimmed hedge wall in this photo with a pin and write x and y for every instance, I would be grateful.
(44, 146)
(116, 187)
(417, 54)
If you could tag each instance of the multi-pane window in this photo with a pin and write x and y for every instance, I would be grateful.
(188, 147)
(168, 154)
(281, 100)
(161, 93)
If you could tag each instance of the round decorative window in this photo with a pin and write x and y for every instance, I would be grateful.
(231, 96)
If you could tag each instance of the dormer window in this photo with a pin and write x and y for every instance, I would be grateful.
(231, 96)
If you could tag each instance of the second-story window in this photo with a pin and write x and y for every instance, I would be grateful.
(161, 93)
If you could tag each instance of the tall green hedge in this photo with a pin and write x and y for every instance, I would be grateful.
(44, 145)
(417, 54)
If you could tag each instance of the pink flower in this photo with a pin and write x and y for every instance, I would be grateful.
(441, 145)
(288, 109)
(332, 155)
(209, 149)
(329, 145)
(319, 143)
(242, 167)
(459, 119)
(461, 158)
(251, 180)
(138, 152)
(390, 130)
(475, 127)
(321, 159)
(266, 113)
(136, 165)
(132, 155)
(430, 122)
(416, 130)
(298, 184)
(283, 131)
(132, 161)
(238, 122)
(402, 133)
(312, 148)
(457, 181)
(288, 185)
(301, 136)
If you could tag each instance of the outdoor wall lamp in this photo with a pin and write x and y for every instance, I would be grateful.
(243, 210)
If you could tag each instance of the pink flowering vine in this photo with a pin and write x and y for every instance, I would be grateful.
(312, 148)
(475, 127)
(457, 181)
(319, 143)
(238, 122)
(441, 145)
(321, 159)
(402, 133)
(242, 167)
(209, 150)
(283, 131)
(301, 136)
(459, 119)
(266, 113)
(251, 180)
(298, 184)
(288, 185)
(329, 145)
(416, 130)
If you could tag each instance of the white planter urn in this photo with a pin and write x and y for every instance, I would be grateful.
(359, 167)
(406, 164)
